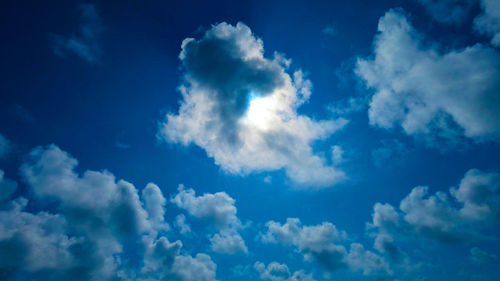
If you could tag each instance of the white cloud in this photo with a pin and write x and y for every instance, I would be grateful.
(84, 44)
(427, 92)
(180, 223)
(279, 272)
(337, 154)
(460, 215)
(199, 268)
(89, 235)
(489, 21)
(155, 205)
(220, 209)
(228, 242)
(322, 243)
(242, 109)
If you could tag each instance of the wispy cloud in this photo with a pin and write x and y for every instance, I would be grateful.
(85, 42)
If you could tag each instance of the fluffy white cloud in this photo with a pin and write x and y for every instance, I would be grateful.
(154, 203)
(199, 268)
(91, 234)
(279, 272)
(180, 223)
(489, 21)
(242, 109)
(428, 92)
(459, 216)
(84, 44)
(163, 261)
(322, 244)
(228, 242)
(218, 208)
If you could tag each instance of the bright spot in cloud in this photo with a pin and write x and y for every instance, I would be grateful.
(260, 112)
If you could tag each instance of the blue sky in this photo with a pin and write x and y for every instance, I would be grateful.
(259, 140)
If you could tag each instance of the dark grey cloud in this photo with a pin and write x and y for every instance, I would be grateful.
(86, 42)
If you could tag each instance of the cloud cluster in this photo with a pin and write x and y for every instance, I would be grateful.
(97, 224)
(323, 244)
(241, 108)
(84, 44)
(443, 95)
(461, 215)
(279, 272)
(220, 209)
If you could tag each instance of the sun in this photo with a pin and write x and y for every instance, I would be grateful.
(261, 111)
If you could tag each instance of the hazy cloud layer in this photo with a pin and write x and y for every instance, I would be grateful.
(242, 109)
(427, 92)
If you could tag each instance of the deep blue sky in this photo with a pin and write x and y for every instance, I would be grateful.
(107, 109)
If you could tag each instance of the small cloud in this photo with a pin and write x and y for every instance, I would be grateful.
(122, 145)
(85, 43)
(329, 30)
(337, 154)
(268, 179)
(5, 146)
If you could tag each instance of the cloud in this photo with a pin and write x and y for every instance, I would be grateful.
(180, 223)
(219, 208)
(389, 151)
(5, 146)
(429, 93)
(154, 203)
(241, 108)
(95, 225)
(458, 216)
(481, 257)
(448, 11)
(84, 44)
(489, 21)
(322, 244)
(7, 187)
(279, 272)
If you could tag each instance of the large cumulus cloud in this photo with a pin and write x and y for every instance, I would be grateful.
(426, 91)
(242, 109)
(90, 228)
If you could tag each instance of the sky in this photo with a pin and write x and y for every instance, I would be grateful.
(250, 140)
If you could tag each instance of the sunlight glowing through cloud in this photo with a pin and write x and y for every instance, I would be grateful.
(260, 112)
